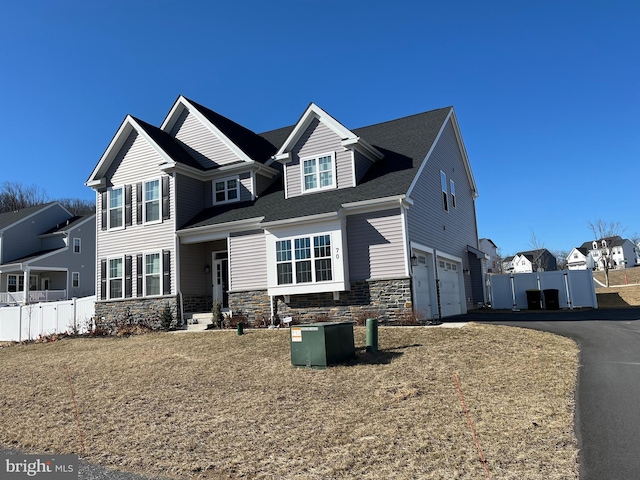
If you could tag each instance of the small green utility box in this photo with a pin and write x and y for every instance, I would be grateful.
(320, 344)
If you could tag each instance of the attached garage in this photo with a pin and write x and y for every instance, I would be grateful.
(450, 288)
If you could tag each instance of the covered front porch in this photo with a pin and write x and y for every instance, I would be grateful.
(20, 286)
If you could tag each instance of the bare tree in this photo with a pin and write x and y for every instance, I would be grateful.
(561, 258)
(604, 233)
(78, 206)
(540, 261)
(15, 196)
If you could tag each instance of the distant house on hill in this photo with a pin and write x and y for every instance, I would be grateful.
(619, 252)
(540, 260)
(494, 262)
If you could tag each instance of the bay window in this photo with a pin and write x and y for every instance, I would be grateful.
(304, 264)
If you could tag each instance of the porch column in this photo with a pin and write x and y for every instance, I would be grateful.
(26, 286)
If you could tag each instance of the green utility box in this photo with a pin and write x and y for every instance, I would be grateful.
(320, 344)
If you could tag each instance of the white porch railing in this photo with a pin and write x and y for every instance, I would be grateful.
(35, 296)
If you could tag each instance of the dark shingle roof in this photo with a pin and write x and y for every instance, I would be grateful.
(9, 218)
(32, 256)
(611, 242)
(255, 146)
(404, 142)
(169, 144)
(68, 224)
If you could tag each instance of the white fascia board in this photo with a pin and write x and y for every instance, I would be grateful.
(363, 147)
(426, 158)
(218, 231)
(463, 150)
(314, 111)
(282, 157)
(219, 172)
(116, 142)
(174, 114)
(385, 203)
(321, 217)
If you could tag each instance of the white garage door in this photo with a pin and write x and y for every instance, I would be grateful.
(448, 274)
(422, 288)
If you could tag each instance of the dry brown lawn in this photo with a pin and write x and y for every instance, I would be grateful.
(624, 291)
(218, 405)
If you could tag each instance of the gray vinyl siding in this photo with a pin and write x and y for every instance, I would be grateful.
(137, 161)
(84, 262)
(208, 150)
(362, 165)
(248, 261)
(191, 195)
(21, 239)
(376, 246)
(318, 139)
(428, 223)
(262, 183)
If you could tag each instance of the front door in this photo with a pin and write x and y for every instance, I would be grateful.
(220, 263)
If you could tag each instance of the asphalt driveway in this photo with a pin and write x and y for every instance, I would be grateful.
(608, 391)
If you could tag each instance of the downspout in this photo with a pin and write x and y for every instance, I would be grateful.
(435, 260)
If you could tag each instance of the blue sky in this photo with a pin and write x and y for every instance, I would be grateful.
(547, 93)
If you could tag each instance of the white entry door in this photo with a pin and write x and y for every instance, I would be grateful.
(220, 263)
(449, 277)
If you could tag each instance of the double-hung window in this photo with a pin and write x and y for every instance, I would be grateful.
(152, 201)
(15, 283)
(452, 189)
(445, 200)
(304, 260)
(318, 173)
(226, 190)
(115, 278)
(75, 279)
(116, 207)
(76, 245)
(152, 273)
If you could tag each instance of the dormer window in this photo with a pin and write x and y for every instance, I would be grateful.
(318, 173)
(226, 190)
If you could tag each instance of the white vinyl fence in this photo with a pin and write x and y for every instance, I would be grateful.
(575, 288)
(28, 322)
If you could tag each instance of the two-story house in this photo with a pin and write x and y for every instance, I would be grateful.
(540, 260)
(618, 252)
(313, 219)
(494, 261)
(46, 253)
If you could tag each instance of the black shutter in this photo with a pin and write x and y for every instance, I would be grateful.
(127, 276)
(103, 210)
(166, 211)
(127, 205)
(103, 279)
(139, 203)
(139, 274)
(166, 272)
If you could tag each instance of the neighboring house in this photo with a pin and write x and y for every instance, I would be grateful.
(507, 264)
(312, 220)
(46, 253)
(540, 260)
(580, 259)
(494, 262)
(623, 254)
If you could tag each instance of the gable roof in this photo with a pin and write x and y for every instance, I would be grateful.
(7, 219)
(615, 241)
(349, 138)
(69, 224)
(167, 147)
(405, 143)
